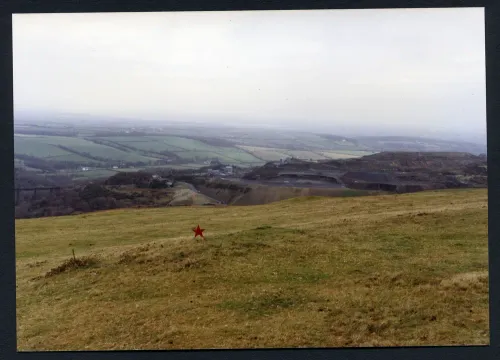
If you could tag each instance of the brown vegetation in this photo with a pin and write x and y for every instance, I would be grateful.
(72, 264)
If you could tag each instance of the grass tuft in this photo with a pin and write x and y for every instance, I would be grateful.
(73, 264)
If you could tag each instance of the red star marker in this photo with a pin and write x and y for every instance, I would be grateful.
(198, 231)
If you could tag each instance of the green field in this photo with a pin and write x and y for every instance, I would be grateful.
(150, 148)
(187, 149)
(42, 148)
(266, 154)
(392, 270)
(275, 154)
(46, 147)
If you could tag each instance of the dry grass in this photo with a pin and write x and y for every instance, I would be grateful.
(364, 271)
(72, 264)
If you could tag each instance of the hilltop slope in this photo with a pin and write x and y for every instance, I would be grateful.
(387, 270)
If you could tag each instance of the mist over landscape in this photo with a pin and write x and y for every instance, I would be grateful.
(256, 132)
(347, 73)
(297, 75)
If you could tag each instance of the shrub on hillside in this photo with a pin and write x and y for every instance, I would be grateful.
(22, 210)
(111, 203)
(128, 178)
(99, 203)
(82, 206)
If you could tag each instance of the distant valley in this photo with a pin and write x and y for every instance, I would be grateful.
(90, 151)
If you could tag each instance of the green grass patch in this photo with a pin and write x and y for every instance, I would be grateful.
(339, 271)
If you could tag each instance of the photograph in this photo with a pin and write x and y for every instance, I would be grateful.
(250, 179)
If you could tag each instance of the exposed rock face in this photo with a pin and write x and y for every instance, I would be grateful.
(389, 171)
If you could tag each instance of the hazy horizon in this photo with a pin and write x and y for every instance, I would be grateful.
(414, 72)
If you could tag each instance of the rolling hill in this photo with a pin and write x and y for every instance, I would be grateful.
(392, 270)
(56, 147)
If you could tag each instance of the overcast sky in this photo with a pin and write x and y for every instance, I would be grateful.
(412, 71)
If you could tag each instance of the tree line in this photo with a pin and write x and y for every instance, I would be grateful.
(92, 196)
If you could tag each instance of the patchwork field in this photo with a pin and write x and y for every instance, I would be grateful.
(40, 147)
(47, 147)
(283, 140)
(392, 270)
(187, 149)
(241, 149)
(275, 154)
(266, 154)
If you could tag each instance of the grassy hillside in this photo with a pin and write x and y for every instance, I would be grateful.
(57, 147)
(274, 154)
(265, 194)
(47, 147)
(41, 148)
(364, 271)
(146, 150)
(185, 148)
